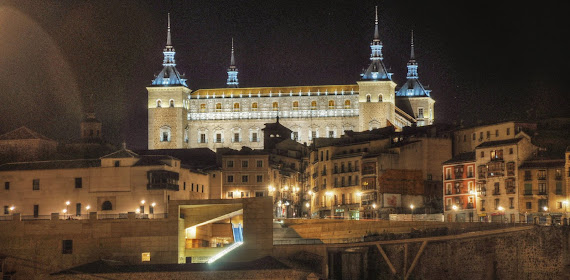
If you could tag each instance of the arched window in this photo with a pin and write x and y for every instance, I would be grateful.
(379, 97)
(275, 106)
(368, 98)
(331, 104)
(236, 106)
(158, 103)
(171, 103)
(313, 105)
(165, 134)
(347, 104)
(295, 105)
(202, 108)
(107, 205)
(218, 107)
(254, 106)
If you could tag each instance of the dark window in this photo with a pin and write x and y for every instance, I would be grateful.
(259, 178)
(36, 184)
(184, 186)
(192, 186)
(6, 210)
(78, 183)
(6, 185)
(230, 163)
(260, 163)
(78, 209)
(244, 178)
(244, 163)
(107, 205)
(117, 163)
(558, 188)
(230, 178)
(151, 209)
(36, 210)
(529, 205)
(67, 247)
(202, 188)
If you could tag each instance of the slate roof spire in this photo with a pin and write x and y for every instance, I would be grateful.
(413, 87)
(376, 71)
(169, 76)
(232, 81)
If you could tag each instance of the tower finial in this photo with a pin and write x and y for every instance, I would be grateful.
(232, 81)
(168, 40)
(376, 33)
(232, 60)
(412, 54)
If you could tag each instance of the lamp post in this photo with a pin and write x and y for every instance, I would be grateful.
(412, 207)
(359, 195)
(309, 208)
(454, 207)
(329, 194)
(501, 209)
(546, 214)
(374, 211)
(565, 202)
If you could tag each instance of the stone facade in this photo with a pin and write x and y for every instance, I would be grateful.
(467, 139)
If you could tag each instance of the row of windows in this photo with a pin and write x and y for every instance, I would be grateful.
(274, 106)
(244, 194)
(105, 206)
(482, 134)
(197, 189)
(36, 184)
(244, 163)
(244, 179)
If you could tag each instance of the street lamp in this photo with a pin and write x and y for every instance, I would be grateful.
(565, 202)
(329, 194)
(454, 207)
(359, 194)
(412, 207)
(500, 208)
(374, 211)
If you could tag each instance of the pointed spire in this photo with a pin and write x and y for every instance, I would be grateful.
(232, 81)
(232, 59)
(412, 54)
(376, 33)
(168, 38)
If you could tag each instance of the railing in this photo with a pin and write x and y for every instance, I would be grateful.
(496, 192)
(528, 193)
(6, 218)
(74, 217)
(112, 216)
(35, 217)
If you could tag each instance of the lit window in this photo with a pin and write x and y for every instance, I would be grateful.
(202, 108)
(236, 107)
(275, 106)
(165, 134)
(171, 103)
(67, 247)
(368, 98)
(254, 106)
(218, 107)
(331, 104)
(347, 104)
(380, 98)
(295, 105)
(145, 257)
(313, 105)
(158, 103)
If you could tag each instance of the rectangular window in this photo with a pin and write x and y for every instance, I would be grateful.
(184, 185)
(202, 188)
(202, 138)
(260, 178)
(244, 178)
(529, 205)
(230, 179)
(36, 210)
(558, 188)
(541, 174)
(67, 247)
(482, 154)
(145, 257)
(508, 131)
(488, 134)
(244, 163)
(260, 163)
(295, 135)
(78, 209)
(230, 163)
(510, 151)
(36, 184)
(218, 138)
(117, 163)
(78, 183)
(151, 209)
(6, 210)
(259, 194)
(474, 136)
(230, 195)
(254, 137)
(7, 185)
(497, 203)
(482, 205)
(511, 202)
(497, 133)
(542, 188)
(192, 186)
(527, 175)
(236, 137)
(313, 134)
(480, 136)
(528, 189)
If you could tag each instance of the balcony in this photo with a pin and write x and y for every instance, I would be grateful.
(470, 175)
(469, 205)
(528, 193)
(458, 175)
(527, 178)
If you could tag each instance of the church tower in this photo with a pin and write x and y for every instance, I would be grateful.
(413, 97)
(168, 104)
(233, 71)
(376, 89)
(90, 126)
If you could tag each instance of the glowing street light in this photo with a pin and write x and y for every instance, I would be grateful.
(143, 202)
(87, 207)
(412, 207)
(454, 207)
(500, 208)
(12, 208)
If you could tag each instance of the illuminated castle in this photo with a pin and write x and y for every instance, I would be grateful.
(233, 117)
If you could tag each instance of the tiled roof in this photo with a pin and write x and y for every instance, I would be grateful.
(543, 163)
(54, 164)
(462, 157)
(23, 133)
(499, 143)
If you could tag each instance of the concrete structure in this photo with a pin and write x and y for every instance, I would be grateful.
(233, 117)
(120, 182)
(543, 193)
(459, 193)
(40, 247)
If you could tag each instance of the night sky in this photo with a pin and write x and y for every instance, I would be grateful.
(482, 60)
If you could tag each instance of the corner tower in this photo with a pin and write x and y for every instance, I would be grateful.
(232, 71)
(168, 104)
(413, 97)
(376, 89)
